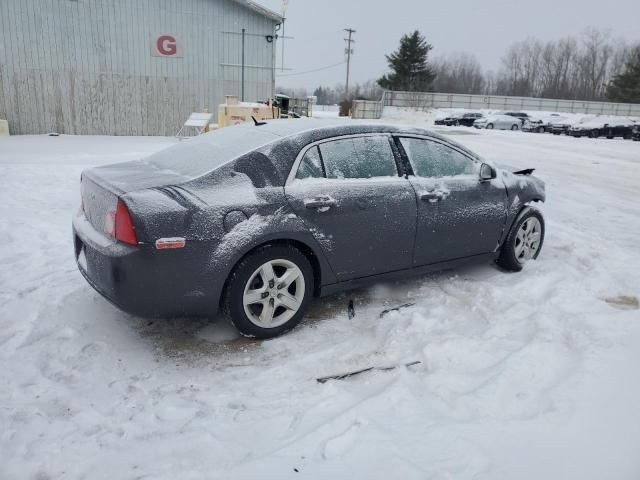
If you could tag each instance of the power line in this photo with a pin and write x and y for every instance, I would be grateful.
(310, 71)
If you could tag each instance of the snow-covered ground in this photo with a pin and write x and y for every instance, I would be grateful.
(523, 376)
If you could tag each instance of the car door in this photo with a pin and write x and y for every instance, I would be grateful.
(458, 215)
(504, 122)
(353, 200)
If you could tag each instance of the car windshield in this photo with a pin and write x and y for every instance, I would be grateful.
(202, 154)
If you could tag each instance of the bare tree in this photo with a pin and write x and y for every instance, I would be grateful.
(459, 73)
(593, 62)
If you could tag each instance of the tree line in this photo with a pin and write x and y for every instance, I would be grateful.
(591, 66)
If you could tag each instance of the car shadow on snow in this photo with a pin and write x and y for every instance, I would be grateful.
(191, 341)
(214, 341)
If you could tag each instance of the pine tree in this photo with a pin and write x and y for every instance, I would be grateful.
(626, 86)
(410, 70)
(321, 94)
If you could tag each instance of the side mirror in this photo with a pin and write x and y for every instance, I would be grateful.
(487, 172)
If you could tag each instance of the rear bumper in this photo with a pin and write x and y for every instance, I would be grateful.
(144, 281)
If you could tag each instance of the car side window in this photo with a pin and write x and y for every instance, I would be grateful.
(358, 157)
(311, 165)
(433, 159)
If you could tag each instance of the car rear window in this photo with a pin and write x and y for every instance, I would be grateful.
(207, 152)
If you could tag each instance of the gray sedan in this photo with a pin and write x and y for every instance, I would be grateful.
(499, 122)
(258, 219)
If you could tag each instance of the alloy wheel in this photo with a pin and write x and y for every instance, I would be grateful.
(274, 293)
(528, 240)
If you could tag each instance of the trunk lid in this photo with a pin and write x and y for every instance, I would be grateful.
(101, 187)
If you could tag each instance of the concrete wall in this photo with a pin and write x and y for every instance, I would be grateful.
(87, 67)
(445, 100)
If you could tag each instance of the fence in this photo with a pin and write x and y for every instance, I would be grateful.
(367, 109)
(363, 109)
(421, 100)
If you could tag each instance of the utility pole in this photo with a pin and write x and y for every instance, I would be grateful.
(349, 52)
(285, 5)
(242, 95)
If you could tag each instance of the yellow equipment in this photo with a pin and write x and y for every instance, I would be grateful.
(4, 128)
(233, 112)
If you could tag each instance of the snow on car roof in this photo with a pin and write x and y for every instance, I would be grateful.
(207, 152)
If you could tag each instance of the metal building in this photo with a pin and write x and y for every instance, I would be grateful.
(129, 67)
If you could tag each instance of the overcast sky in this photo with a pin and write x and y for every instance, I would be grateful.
(484, 28)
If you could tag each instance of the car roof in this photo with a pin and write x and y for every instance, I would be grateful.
(278, 140)
(287, 128)
(326, 128)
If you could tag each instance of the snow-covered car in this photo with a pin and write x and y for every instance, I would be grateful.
(609, 127)
(257, 219)
(449, 120)
(498, 121)
(541, 124)
(468, 119)
(563, 126)
(465, 120)
(521, 115)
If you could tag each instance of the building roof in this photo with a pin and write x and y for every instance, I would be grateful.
(260, 9)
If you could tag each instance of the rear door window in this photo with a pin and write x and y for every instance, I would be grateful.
(358, 157)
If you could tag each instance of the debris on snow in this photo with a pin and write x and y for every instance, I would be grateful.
(342, 376)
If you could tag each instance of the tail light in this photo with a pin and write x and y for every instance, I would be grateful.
(119, 225)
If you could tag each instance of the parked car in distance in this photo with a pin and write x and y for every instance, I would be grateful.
(521, 115)
(468, 119)
(609, 127)
(563, 126)
(499, 122)
(257, 219)
(465, 120)
(541, 124)
(449, 120)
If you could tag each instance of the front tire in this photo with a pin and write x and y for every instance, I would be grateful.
(515, 127)
(490, 126)
(524, 241)
(269, 290)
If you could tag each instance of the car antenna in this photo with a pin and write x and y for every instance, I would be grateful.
(257, 123)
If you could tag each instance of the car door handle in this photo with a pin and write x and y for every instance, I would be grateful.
(432, 196)
(320, 202)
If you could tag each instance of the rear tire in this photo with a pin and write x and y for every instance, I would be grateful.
(515, 127)
(524, 241)
(489, 126)
(268, 291)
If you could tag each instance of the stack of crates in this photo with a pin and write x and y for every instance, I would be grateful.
(234, 112)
